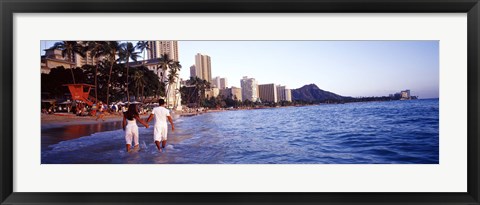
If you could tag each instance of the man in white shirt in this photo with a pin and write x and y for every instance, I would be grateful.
(160, 127)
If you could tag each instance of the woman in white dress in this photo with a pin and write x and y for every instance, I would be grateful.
(130, 126)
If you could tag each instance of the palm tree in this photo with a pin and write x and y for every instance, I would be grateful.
(163, 65)
(139, 81)
(128, 52)
(69, 49)
(173, 79)
(164, 62)
(111, 50)
(200, 86)
(96, 49)
(142, 46)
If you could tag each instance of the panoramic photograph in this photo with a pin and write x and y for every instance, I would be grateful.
(239, 102)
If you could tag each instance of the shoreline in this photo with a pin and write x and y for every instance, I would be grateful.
(65, 119)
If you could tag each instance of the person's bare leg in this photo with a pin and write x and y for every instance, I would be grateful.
(136, 141)
(158, 145)
(164, 142)
(128, 147)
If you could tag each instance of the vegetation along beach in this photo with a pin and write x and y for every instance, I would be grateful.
(239, 102)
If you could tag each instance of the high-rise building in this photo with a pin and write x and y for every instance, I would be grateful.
(219, 82)
(233, 93)
(236, 93)
(216, 82)
(288, 95)
(193, 71)
(223, 83)
(267, 92)
(87, 60)
(173, 99)
(203, 67)
(283, 94)
(157, 48)
(249, 89)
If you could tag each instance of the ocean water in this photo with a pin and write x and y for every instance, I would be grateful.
(395, 132)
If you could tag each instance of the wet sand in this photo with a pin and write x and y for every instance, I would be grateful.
(55, 134)
(62, 119)
(63, 126)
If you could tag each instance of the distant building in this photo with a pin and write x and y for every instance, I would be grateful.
(52, 59)
(203, 67)
(288, 95)
(183, 82)
(237, 93)
(233, 93)
(219, 82)
(157, 48)
(87, 60)
(249, 89)
(268, 92)
(193, 71)
(223, 83)
(174, 96)
(212, 92)
(216, 82)
(405, 95)
(283, 94)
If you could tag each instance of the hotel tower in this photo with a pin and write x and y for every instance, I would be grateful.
(157, 49)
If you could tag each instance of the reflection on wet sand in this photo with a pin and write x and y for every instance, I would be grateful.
(69, 132)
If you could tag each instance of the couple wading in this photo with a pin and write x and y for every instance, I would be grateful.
(160, 128)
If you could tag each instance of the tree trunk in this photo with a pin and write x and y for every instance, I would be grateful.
(175, 97)
(144, 60)
(108, 84)
(96, 95)
(138, 93)
(143, 96)
(73, 76)
(128, 94)
(167, 90)
(71, 68)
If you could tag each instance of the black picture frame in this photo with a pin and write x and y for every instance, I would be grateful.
(10, 7)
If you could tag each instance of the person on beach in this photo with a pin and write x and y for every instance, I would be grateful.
(130, 126)
(160, 128)
(100, 110)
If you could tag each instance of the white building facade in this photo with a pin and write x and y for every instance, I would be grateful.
(249, 89)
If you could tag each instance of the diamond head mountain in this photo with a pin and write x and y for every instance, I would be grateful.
(311, 93)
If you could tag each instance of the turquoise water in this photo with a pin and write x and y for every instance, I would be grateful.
(399, 132)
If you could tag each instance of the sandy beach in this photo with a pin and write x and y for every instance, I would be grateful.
(60, 119)
(70, 119)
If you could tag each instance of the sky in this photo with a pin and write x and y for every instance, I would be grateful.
(347, 68)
